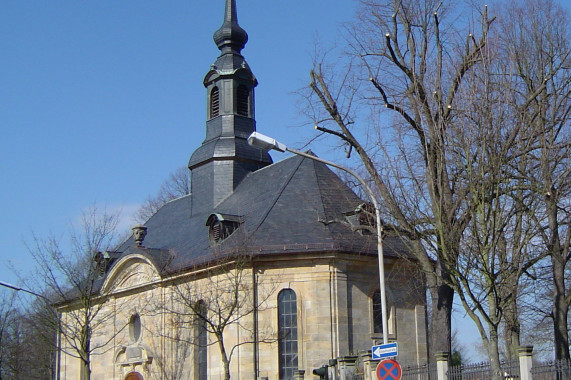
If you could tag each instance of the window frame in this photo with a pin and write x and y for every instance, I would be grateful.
(372, 314)
(288, 349)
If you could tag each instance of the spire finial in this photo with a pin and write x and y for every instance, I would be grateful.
(230, 36)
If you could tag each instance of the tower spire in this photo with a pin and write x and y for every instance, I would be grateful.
(225, 157)
(230, 37)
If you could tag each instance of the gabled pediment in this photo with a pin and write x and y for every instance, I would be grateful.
(130, 272)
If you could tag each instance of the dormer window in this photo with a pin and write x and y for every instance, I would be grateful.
(104, 260)
(214, 102)
(243, 101)
(220, 226)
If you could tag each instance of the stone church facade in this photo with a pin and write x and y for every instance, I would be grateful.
(274, 259)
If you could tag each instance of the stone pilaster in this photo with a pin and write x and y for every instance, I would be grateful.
(442, 365)
(525, 362)
(346, 367)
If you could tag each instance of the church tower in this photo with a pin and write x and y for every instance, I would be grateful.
(225, 158)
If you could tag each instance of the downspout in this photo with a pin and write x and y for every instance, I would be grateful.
(58, 345)
(332, 355)
(256, 337)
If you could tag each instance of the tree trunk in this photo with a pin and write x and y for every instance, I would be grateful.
(511, 320)
(440, 333)
(512, 336)
(85, 353)
(494, 354)
(85, 370)
(558, 261)
(560, 310)
(224, 356)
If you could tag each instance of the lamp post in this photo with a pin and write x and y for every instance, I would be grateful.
(267, 143)
(14, 287)
(58, 337)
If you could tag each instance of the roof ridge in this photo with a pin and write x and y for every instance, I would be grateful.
(320, 193)
(177, 198)
(269, 167)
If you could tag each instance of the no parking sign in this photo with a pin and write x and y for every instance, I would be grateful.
(389, 369)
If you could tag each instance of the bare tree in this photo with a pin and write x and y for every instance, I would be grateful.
(7, 314)
(35, 348)
(476, 155)
(72, 279)
(206, 306)
(536, 38)
(171, 344)
(414, 63)
(24, 353)
(176, 186)
(496, 254)
(490, 148)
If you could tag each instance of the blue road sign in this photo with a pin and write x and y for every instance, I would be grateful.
(382, 351)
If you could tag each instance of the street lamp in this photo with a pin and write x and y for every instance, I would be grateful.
(49, 303)
(267, 143)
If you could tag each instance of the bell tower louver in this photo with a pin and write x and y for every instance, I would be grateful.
(225, 158)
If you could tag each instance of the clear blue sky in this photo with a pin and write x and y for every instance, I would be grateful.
(101, 100)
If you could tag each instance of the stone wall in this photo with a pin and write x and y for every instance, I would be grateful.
(334, 313)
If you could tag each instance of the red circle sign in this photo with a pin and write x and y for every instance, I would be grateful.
(389, 369)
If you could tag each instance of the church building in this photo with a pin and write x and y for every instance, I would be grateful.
(265, 271)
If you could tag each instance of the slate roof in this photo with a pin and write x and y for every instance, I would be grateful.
(294, 206)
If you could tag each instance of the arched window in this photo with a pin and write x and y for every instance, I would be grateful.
(243, 101)
(287, 330)
(377, 312)
(201, 349)
(214, 102)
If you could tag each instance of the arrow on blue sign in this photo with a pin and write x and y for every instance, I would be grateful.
(385, 351)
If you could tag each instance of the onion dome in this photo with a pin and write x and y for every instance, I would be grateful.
(230, 37)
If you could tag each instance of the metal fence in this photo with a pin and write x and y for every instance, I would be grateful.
(422, 372)
(552, 370)
(482, 371)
